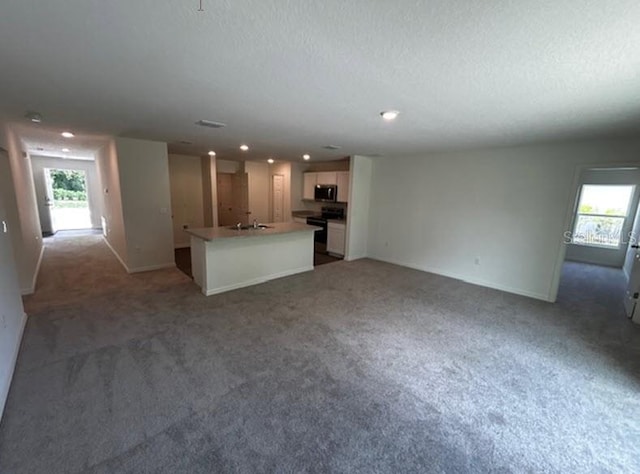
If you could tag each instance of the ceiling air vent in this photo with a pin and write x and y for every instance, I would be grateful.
(210, 124)
(331, 147)
(185, 142)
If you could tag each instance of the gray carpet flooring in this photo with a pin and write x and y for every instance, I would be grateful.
(354, 367)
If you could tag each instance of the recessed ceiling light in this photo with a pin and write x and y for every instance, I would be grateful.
(212, 153)
(35, 117)
(67, 134)
(390, 114)
(306, 157)
(244, 147)
(66, 150)
(270, 161)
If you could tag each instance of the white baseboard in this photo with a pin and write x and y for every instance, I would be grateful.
(256, 281)
(14, 359)
(32, 289)
(138, 269)
(467, 279)
(152, 267)
(116, 254)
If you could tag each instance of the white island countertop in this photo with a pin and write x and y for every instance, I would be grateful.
(215, 233)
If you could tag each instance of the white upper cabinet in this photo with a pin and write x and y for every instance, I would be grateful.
(339, 178)
(326, 177)
(342, 180)
(310, 181)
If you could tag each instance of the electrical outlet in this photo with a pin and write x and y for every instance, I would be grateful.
(477, 261)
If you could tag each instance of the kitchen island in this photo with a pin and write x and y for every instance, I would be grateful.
(224, 258)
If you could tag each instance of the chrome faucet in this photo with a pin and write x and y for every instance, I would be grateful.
(255, 224)
(239, 226)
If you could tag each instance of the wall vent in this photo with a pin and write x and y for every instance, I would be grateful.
(331, 147)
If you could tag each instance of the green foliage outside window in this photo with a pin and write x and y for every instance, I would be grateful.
(68, 185)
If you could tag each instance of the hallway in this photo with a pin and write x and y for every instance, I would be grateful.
(335, 370)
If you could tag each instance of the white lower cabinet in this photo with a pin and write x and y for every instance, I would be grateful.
(335, 238)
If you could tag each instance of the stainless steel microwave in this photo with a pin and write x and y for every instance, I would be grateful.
(325, 192)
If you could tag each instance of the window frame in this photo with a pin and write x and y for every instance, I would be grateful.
(577, 214)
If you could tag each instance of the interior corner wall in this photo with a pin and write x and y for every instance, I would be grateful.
(493, 217)
(94, 195)
(187, 202)
(143, 169)
(22, 210)
(113, 224)
(297, 185)
(11, 308)
(358, 216)
(209, 171)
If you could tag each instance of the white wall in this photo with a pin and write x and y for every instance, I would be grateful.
(22, 212)
(143, 168)
(12, 316)
(228, 166)
(107, 164)
(209, 170)
(358, 215)
(94, 195)
(507, 207)
(187, 202)
(258, 190)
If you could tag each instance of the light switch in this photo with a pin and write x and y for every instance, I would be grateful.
(164, 210)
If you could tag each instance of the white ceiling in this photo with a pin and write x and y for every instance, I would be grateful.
(46, 141)
(290, 77)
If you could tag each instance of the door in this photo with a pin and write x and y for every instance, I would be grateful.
(233, 198)
(225, 199)
(45, 207)
(278, 198)
(633, 288)
(240, 193)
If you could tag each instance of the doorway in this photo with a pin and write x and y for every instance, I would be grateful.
(66, 199)
(598, 253)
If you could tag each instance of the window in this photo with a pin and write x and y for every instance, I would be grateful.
(602, 211)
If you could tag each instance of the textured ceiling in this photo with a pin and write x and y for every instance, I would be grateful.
(290, 77)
